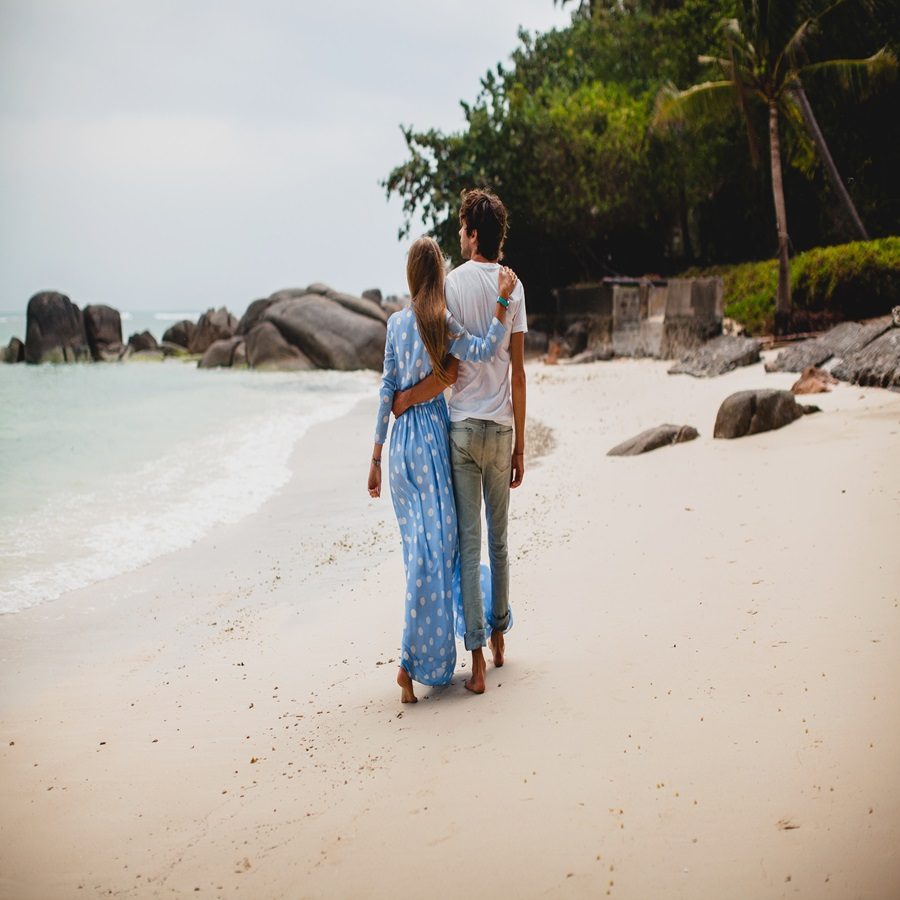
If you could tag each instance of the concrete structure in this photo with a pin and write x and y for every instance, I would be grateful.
(640, 317)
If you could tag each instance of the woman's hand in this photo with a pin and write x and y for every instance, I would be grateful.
(375, 479)
(506, 282)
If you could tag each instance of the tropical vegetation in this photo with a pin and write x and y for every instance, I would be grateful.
(570, 133)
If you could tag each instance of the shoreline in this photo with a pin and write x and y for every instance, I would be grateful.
(698, 699)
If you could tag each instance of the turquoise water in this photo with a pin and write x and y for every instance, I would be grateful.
(106, 466)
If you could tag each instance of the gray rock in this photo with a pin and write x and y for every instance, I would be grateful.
(55, 330)
(575, 339)
(843, 340)
(213, 325)
(358, 305)
(253, 315)
(373, 294)
(142, 340)
(752, 412)
(14, 352)
(170, 349)
(317, 287)
(267, 349)
(598, 354)
(876, 365)
(239, 357)
(180, 333)
(219, 354)
(329, 333)
(103, 328)
(653, 438)
(718, 356)
(536, 342)
(895, 316)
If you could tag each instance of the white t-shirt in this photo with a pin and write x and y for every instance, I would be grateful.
(482, 390)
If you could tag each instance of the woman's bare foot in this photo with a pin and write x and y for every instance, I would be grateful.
(497, 645)
(407, 695)
(476, 683)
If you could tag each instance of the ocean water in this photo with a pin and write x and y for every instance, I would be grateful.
(106, 466)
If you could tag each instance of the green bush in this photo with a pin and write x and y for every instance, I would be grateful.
(828, 284)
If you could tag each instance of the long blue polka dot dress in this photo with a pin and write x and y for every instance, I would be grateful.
(422, 493)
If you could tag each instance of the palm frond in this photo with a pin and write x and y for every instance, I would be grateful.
(794, 46)
(853, 75)
(711, 98)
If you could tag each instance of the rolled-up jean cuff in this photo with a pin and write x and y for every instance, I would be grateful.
(499, 624)
(475, 639)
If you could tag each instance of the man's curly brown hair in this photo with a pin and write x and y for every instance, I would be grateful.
(485, 213)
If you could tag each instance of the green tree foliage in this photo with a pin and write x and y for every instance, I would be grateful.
(563, 134)
(767, 55)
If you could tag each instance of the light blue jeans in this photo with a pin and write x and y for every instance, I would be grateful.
(481, 457)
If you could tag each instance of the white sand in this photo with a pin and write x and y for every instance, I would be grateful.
(700, 698)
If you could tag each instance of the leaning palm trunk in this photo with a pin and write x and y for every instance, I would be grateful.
(833, 174)
(783, 297)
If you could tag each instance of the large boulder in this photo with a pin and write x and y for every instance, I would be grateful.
(142, 340)
(55, 330)
(13, 352)
(841, 341)
(213, 325)
(103, 327)
(330, 332)
(373, 294)
(253, 315)
(180, 333)
(267, 349)
(358, 305)
(220, 354)
(876, 365)
(718, 356)
(752, 412)
(653, 438)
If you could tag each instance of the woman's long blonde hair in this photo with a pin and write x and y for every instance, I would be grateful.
(425, 276)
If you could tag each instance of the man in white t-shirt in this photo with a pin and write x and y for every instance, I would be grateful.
(487, 423)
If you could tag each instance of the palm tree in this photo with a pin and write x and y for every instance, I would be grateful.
(767, 48)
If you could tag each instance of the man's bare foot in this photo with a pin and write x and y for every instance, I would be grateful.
(497, 645)
(407, 695)
(476, 683)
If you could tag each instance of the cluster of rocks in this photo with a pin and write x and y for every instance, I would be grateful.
(741, 414)
(304, 328)
(58, 331)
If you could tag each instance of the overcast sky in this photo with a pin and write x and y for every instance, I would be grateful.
(180, 154)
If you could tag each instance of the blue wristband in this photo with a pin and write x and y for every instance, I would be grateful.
(503, 303)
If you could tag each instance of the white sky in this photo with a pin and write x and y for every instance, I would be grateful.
(181, 154)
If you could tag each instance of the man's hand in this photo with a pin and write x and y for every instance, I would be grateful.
(402, 402)
(518, 469)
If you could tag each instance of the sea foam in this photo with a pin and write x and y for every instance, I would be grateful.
(96, 528)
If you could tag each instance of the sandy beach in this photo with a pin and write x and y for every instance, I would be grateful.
(699, 700)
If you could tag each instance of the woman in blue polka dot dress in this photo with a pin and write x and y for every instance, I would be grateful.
(418, 342)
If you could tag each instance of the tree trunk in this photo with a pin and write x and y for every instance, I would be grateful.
(833, 174)
(783, 297)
